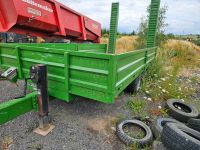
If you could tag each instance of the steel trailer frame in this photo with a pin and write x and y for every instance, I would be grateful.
(92, 71)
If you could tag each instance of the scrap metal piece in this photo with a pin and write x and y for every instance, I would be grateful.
(10, 74)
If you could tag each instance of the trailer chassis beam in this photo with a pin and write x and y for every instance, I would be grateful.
(38, 100)
(16, 107)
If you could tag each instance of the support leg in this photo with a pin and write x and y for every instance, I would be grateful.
(38, 75)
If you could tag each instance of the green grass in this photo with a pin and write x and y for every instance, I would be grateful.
(136, 147)
(162, 80)
(168, 86)
(182, 53)
(164, 112)
(195, 79)
(137, 107)
(134, 131)
(197, 42)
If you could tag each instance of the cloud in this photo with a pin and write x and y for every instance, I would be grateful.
(182, 16)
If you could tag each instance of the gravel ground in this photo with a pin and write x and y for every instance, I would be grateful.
(10, 90)
(81, 124)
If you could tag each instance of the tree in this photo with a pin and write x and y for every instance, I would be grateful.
(104, 31)
(170, 36)
(143, 28)
(133, 32)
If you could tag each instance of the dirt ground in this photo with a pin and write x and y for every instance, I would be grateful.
(82, 124)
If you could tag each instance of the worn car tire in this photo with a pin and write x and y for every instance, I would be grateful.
(180, 137)
(134, 86)
(159, 123)
(130, 140)
(181, 111)
(194, 124)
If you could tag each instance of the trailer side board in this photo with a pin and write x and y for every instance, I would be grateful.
(98, 76)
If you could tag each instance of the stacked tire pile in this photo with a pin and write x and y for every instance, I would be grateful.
(183, 135)
(181, 132)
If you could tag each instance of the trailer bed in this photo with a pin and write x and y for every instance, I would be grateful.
(79, 70)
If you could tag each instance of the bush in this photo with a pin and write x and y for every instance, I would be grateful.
(161, 80)
(183, 53)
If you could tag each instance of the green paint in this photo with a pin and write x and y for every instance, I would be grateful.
(153, 21)
(14, 108)
(98, 76)
(113, 28)
(20, 74)
(85, 70)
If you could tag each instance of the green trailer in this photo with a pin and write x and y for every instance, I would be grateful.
(93, 71)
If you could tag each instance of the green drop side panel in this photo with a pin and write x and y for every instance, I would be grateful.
(93, 75)
(98, 48)
(70, 72)
(130, 65)
(113, 28)
(22, 57)
(102, 77)
(90, 76)
(152, 25)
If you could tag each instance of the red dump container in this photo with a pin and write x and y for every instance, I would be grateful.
(47, 18)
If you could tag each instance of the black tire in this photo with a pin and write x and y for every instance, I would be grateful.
(180, 137)
(181, 111)
(130, 140)
(194, 124)
(159, 123)
(134, 86)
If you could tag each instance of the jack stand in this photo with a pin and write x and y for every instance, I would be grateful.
(38, 75)
(44, 126)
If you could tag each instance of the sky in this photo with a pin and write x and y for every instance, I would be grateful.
(183, 16)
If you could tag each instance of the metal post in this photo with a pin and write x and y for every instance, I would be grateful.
(153, 21)
(113, 28)
(38, 75)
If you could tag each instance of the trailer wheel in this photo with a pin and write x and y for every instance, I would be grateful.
(180, 137)
(194, 124)
(157, 127)
(128, 140)
(181, 111)
(134, 86)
